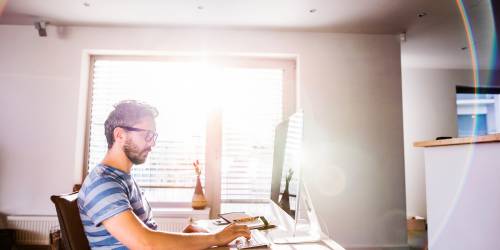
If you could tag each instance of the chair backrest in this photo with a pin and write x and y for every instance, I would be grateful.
(72, 232)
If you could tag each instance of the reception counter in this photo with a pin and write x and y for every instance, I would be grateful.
(463, 192)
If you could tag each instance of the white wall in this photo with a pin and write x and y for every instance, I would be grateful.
(433, 64)
(429, 111)
(350, 92)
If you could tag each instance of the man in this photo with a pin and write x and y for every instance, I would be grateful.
(114, 213)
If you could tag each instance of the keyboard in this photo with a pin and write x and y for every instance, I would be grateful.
(258, 240)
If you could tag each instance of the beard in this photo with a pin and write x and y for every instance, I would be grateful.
(134, 153)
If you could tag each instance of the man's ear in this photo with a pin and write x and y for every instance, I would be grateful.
(119, 135)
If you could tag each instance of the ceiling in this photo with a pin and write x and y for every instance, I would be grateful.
(439, 40)
(366, 16)
(355, 16)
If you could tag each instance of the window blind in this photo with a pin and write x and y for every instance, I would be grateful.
(168, 173)
(251, 100)
(248, 123)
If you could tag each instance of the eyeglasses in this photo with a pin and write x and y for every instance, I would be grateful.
(150, 135)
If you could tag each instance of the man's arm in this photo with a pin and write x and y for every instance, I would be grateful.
(131, 232)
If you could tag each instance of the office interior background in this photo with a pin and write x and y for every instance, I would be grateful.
(371, 77)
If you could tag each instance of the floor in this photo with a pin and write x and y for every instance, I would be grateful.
(31, 248)
(417, 240)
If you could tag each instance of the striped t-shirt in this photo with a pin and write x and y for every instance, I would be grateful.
(106, 192)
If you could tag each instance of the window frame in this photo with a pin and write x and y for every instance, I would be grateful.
(214, 124)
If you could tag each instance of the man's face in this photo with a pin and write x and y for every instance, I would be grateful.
(136, 146)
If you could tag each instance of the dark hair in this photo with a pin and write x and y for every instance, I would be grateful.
(126, 113)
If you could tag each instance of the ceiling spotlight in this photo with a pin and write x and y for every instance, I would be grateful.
(86, 4)
(41, 27)
(402, 36)
(422, 14)
(312, 10)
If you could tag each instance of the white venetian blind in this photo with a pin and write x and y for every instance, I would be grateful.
(256, 107)
(251, 100)
(171, 87)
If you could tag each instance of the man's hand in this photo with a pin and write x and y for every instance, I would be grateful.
(230, 233)
(194, 229)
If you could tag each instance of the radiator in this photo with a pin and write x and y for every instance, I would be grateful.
(171, 224)
(34, 230)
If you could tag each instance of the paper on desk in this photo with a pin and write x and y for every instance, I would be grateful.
(231, 217)
(236, 217)
(254, 224)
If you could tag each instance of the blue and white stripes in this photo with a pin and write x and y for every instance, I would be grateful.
(106, 192)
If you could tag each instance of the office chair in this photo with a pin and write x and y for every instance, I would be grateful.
(72, 233)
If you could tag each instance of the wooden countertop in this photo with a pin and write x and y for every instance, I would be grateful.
(458, 141)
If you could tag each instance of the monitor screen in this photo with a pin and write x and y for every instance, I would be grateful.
(286, 163)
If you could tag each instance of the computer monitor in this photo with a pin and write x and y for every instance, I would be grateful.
(286, 164)
(288, 192)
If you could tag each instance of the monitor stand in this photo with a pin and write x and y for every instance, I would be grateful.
(294, 232)
(297, 239)
(297, 235)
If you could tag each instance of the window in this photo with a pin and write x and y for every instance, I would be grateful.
(248, 123)
(478, 111)
(242, 98)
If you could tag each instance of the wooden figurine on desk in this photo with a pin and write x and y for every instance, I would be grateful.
(199, 201)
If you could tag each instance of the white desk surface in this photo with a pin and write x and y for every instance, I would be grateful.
(305, 246)
(283, 221)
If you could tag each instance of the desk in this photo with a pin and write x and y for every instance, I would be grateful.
(463, 189)
(285, 225)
